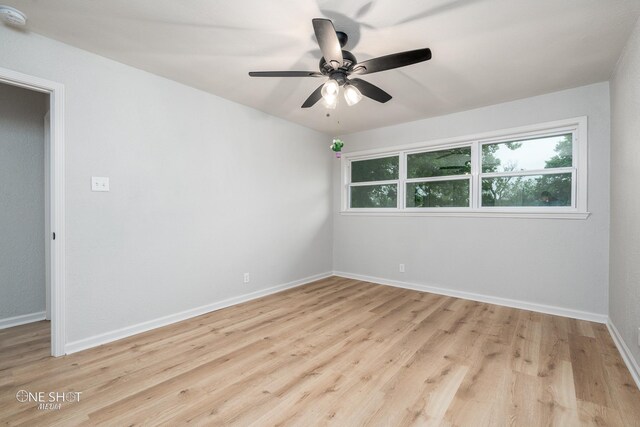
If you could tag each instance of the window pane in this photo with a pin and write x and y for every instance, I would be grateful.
(456, 161)
(540, 153)
(532, 190)
(438, 194)
(374, 196)
(383, 169)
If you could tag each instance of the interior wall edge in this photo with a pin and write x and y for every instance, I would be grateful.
(107, 337)
(625, 352)
(523, 305)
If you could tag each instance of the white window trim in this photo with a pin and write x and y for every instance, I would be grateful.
(578, 210)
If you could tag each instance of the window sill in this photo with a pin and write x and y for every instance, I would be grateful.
(473, 214)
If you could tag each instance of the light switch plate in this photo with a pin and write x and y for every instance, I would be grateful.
(99, 183)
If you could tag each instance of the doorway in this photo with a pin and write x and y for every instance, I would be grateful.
(32, 275)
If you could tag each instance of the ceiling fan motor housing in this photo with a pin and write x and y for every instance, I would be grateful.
(349, 60)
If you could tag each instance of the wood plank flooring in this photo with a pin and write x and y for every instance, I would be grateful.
(335, 352)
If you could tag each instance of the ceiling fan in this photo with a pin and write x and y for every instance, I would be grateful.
(339, 65)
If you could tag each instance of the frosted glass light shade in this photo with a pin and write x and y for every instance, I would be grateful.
(330, 101)
(330, 90)
(352, 95)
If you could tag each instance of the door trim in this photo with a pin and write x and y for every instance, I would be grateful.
(57, 212)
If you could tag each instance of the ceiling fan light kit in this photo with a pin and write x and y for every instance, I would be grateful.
(330, 90)
(338, 65)
(352, 95)
(331, 102)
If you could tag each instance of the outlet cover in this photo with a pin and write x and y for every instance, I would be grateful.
(99, 183)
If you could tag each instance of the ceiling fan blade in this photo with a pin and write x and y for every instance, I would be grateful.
(370, 91)
(313, 98)
(392, 61)
(285, 74)
(328, 41)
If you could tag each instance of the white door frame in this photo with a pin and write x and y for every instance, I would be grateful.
(56, 170)
(47, 212)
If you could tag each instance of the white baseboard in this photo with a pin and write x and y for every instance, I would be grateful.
(524, 305)
(21, 320)
(628, 358)
(94, 341)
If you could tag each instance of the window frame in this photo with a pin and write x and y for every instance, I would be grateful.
(366, 183)
(578, 210)
(406, 181)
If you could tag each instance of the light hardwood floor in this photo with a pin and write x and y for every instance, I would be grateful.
(339, 352)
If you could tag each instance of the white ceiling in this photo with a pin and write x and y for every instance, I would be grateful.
(484, 51)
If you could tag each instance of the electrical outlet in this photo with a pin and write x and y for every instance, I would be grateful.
(638, 337)
(401, 268)
(99, 183)
(247, 278)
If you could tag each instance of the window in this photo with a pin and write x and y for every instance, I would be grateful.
(536, 171)
(438, 179)
(374, 183)
(531, 172)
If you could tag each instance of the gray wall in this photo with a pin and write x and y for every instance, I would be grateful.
(624, 293)
(22, 263)
(202, 190)
(562, 263)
